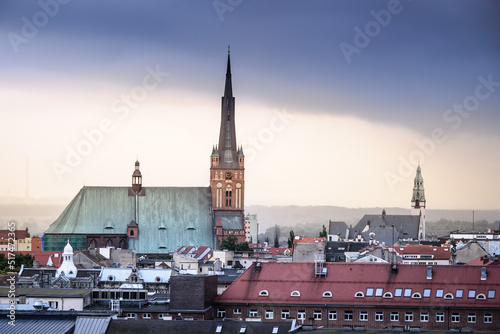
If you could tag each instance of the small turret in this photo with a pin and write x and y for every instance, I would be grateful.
(136, 178)
(214, 157)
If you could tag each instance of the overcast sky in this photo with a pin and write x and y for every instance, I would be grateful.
(336, 101)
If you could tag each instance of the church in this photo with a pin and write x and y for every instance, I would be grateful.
(157, 220)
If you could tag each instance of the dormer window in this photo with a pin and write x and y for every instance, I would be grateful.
(327, 294)
(448, 296)
(387, 295)
(359, 294)
(295, 293)
(416, 295)
(481, 296)
(264, 293)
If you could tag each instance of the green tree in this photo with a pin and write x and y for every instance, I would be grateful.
(243, 247)
(229, 243)
(323, 233)
(267, 240)
(14, 263)
(291, 239)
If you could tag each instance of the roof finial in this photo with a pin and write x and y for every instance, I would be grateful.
(228, 48)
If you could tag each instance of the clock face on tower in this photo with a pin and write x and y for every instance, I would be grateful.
(228, 175)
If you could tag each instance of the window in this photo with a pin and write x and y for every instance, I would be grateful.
(218, 329)
(459, 293)
(379, 316)
(424, 317)
(221, 313)
(398, 292)
(363, 315)
(301, 314)
(359, 294)
(237, 311)
(448, 296)
(472, 294)
(131, 315)
(407, 293)
(253, 313)
(416, 295)
(285, 314)
(427, 293)
(488, 318)
(348, 315)
(53, 304)
(317, 315)
(369, 292)
(439, 293)
(146, 316)
(455, 317)
(394, 316)
(295, 293)
(387, 295)
(327, 294)
(440, 317)
(481, 296)
(471, 318)
(408, 316)
(264, 293)
(378, 292)
(332, 315)
(269, 314)
(491, 294)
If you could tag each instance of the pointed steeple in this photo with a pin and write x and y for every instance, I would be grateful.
(418, 198)
(228, 89)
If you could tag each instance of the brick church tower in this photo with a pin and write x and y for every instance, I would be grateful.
(227, 171)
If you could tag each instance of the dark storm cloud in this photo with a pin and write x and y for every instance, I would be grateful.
(426, 59)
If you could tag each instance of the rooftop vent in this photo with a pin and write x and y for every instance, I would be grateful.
(483, 274)
(258, 266)
(429, 272)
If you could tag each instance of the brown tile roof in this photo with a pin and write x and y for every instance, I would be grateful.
(344, 280)
(20, 234)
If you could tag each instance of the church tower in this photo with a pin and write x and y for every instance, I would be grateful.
(418, 202)
(227, 172)
(227, 161)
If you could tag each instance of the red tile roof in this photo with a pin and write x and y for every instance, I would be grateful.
(42, 256)
(344, 280)
(485, 261)
(308, 239)
(20, 234)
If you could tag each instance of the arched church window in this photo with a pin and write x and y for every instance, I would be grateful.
(109, 243)
(122, 242)
(93, 244)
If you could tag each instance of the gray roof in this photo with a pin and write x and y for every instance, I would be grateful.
(405, 227)
(40, 292)
(94, 325)
(52, 324)
(185, 212)
(338, 228)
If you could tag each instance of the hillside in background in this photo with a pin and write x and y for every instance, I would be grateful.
(304, 220)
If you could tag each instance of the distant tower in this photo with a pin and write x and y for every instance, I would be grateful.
(67, 267)
(418, 202)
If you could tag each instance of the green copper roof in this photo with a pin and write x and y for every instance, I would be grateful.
(168, 217)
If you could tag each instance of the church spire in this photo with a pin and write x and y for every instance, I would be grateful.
(228, 89)
(418, 198)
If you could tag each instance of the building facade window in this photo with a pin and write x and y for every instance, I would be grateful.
(269, 314)
(459, 293)
(285, 314)
(53, 304)
(379, 292)
(301, 314)
(369, 292)
(472, 293)
(348, 315)
(379, 316)
(455, 317)
(398, 292)
(491, 294)
(332, 315)
(237, 311)
(317, 315)
(409, 316)
(440, 317)
(488, 318)
(407, 293)
(221, 313)
(394, 316)
(363, 315)
(424, 317)
(146, 316)
(471, 318)
(439, 293)
(253, 313)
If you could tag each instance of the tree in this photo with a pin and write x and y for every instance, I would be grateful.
(267, 240)
(229, 243)
(276, 236)
(243, 247)
(291, 239)
(323, 233)
(15, 262)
